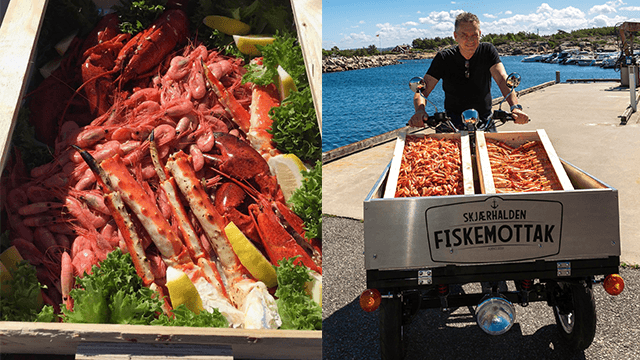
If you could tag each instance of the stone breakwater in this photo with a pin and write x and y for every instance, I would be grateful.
(342, 63)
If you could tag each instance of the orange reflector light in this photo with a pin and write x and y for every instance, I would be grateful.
(370, 300)
(613, 284)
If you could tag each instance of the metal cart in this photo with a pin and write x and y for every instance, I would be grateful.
(554, 245)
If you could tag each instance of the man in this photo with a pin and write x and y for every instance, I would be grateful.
(466, 71)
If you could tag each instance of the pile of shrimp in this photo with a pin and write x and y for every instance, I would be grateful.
(430, 167)
(59, 206)
(522, 169)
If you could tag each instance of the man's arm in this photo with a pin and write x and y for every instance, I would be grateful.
(499, 74)
(419, 102)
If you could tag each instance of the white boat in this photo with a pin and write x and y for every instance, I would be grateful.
(532, 58)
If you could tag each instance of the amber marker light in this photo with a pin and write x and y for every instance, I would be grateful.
(613, 284)
(370, 300)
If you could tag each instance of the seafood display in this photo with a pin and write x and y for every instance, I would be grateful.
(521, 169)
(430, 167)
(175, 148)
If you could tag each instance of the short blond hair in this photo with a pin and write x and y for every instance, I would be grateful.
(466, 17)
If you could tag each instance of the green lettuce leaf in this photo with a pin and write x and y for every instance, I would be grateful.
(306, 201)
(137, 308)
(296, 308)
(295, 126)
(23, 303)
(185, 317)
(284, 51)
(113, 293)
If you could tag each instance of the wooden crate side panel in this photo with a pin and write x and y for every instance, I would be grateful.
(308, 17)
(394, 171)
(467, 166)
(18, 34)
(63, 339)
(484, 167)
(555, 161)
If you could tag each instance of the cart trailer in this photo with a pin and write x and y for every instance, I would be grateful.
(554, 245)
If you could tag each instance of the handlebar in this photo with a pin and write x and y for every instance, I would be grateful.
(440, 121)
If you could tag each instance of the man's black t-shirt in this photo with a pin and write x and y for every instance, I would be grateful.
(462, 93)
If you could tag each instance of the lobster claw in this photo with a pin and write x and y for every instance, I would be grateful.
(277, 241)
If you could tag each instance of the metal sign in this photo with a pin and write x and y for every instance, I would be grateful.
(494, 230)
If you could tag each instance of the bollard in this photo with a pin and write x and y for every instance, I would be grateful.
(632, 87)
(557, 77)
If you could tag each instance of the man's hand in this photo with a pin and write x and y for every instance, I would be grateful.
(519, 116)
(417, 120)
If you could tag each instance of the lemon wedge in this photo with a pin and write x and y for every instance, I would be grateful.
(314, 287)
(247, 44)
(288, 170)
(285, 83)
(227, 25)
(10, 258)
(182, 290)
(250, 256)
(5, 275)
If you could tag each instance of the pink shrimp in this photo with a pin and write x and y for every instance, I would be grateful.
(66, 280)
(83, 214)
(61, 228)
(83, 262)
(179, 68)
(63, 241)
(17, 198)
(93, 198)
(28, 251)
(197, 159)
(86, 181)
(44, 240)
(178, 108)
(42, 170)
(22, 230)
(196, 81)
(39, 207)
(40, 194)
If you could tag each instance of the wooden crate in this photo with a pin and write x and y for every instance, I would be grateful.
(515, 139)
(465, 151)
(18, 37)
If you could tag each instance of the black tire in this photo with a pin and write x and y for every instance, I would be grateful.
(576, 315)
(392, 345)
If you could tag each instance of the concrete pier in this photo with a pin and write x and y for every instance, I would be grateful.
(584, 123)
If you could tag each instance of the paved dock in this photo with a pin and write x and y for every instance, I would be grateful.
(584, 125)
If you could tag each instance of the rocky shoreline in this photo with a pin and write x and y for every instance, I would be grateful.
(342, 63)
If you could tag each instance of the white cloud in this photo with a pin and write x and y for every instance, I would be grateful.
(361, 22)
(607, 8)
(544, 20)
(436, 17)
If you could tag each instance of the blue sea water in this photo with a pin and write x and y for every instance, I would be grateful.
(359, 104)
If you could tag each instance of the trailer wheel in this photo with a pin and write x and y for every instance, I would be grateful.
(391, 329)
(575, 314)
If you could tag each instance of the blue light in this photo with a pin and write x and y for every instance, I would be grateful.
(495, 315)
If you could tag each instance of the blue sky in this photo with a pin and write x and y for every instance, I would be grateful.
(350, 24)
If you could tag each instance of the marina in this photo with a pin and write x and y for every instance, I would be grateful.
(605, 60)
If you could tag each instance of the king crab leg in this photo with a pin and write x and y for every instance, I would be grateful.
(248, 294)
